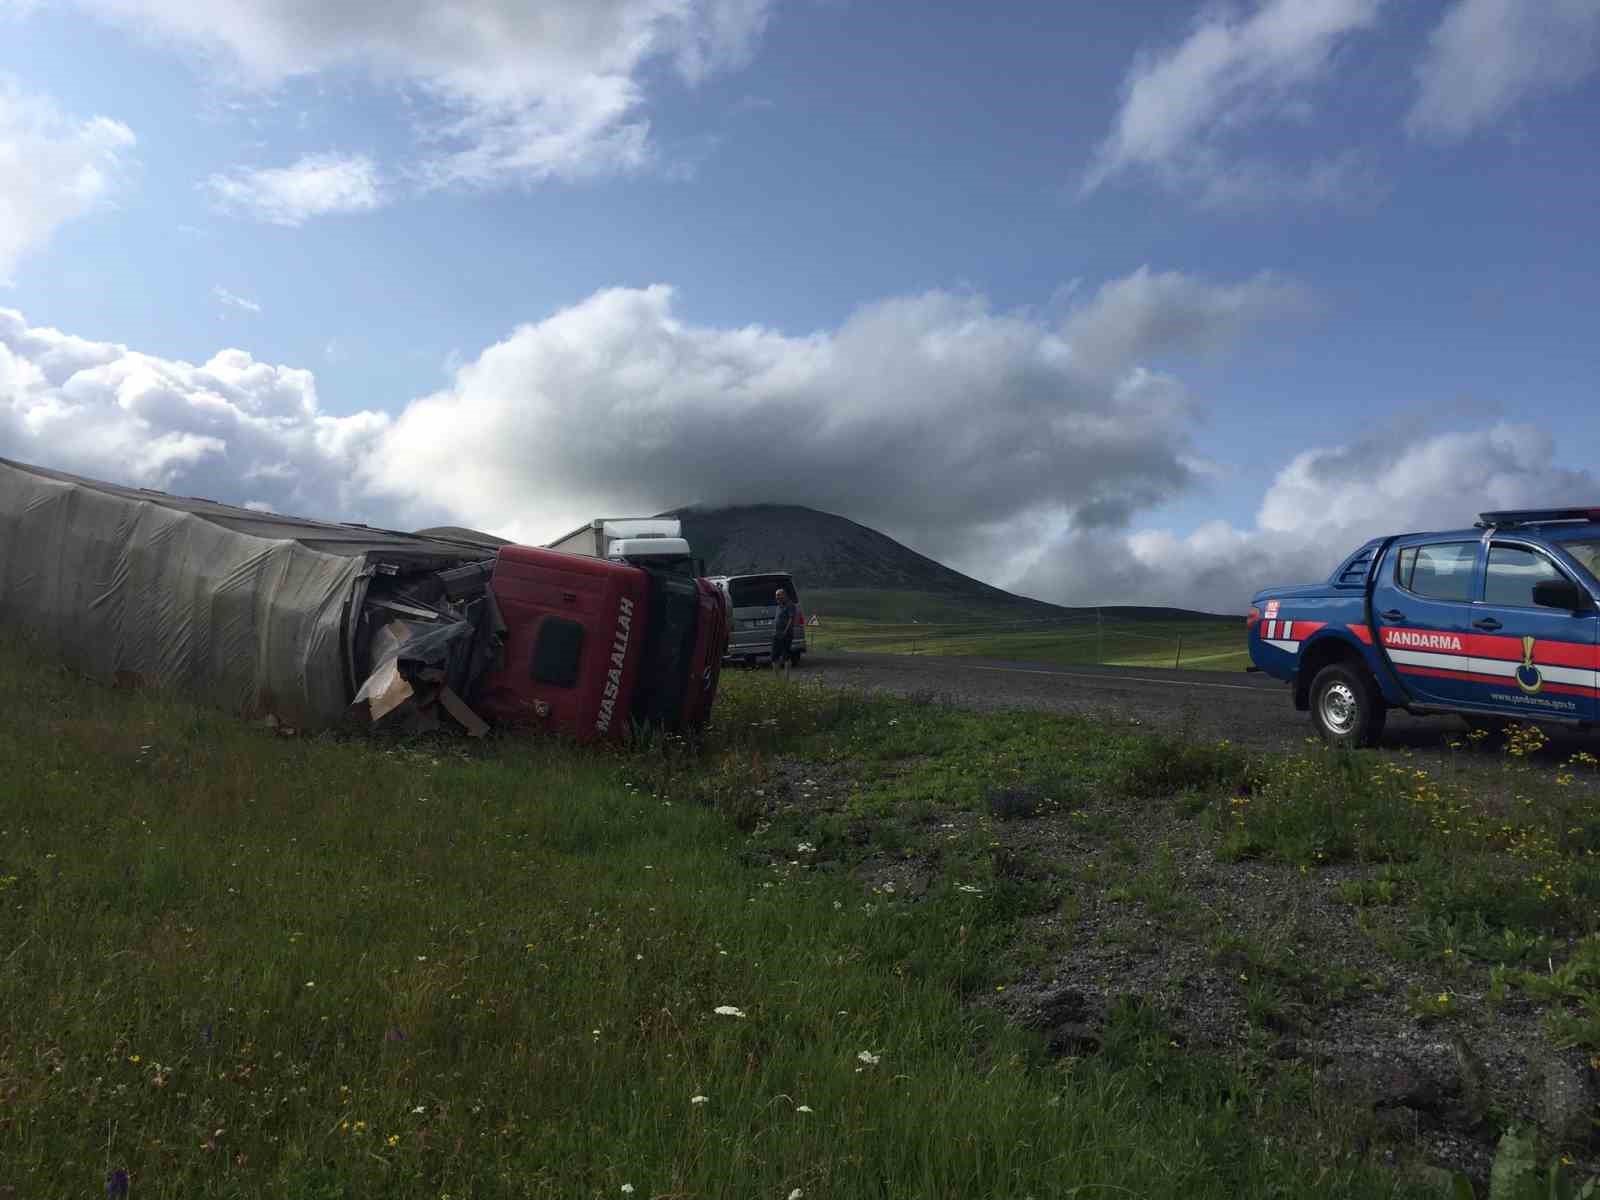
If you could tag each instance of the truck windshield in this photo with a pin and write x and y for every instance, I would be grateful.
(1587, 552)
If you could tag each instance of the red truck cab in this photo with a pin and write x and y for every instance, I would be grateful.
(594, 647)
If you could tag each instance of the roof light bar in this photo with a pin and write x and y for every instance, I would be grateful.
(1534, 516)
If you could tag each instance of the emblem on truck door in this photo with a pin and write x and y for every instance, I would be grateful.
(1528, 677)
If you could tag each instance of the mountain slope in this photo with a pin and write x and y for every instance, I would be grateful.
(825, 552)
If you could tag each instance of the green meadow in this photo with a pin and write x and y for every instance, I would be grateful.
(890, 622)
(234, 964)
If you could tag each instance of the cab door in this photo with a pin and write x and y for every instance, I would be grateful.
(1534, 636)
(1423, 605)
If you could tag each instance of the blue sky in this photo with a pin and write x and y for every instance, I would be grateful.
(1169, 296)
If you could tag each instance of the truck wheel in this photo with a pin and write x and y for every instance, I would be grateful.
(1346, 707)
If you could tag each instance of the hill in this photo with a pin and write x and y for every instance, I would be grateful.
(860, 568)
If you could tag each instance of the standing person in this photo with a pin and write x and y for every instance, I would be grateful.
(783, 632)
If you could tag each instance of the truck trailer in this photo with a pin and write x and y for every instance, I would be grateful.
(312, 622)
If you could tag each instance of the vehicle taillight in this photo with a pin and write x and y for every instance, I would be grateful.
(1252, 620)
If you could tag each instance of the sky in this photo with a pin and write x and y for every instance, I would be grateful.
(1140, 303)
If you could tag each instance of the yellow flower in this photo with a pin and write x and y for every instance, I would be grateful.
(393, 1140)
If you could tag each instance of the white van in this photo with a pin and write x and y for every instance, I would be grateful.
(752, 599)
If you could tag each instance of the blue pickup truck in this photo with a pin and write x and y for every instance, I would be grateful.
(1497, 622)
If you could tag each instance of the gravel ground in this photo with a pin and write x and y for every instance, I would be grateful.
(1441, 1087)
(1248, 709)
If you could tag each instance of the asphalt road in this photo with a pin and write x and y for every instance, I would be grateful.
(1247, 708)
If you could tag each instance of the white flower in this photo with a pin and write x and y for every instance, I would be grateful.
(311, 983)
(967, 887)
(418, 1109)
(889, 887)
(804, 848)
(698, 1099)
(803, 1108)
(728, 1010)
(896, 721)
(868, 1057)
(627, 1189)
(796, 1194)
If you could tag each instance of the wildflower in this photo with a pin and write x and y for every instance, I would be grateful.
(134, 1059)
(627, 1189)
(804, 848)
(728, 1010)
(418, 1110)
(698, 1099)
(969, 889)
(392, 1140)
(805, 1108)
(868, 1057)
(311, 983)
(117, 1184)
(796, 1194)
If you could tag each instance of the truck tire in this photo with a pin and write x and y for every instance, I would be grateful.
(1346, 707)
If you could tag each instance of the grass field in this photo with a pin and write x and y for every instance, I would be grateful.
(238, 965)
(922, 623)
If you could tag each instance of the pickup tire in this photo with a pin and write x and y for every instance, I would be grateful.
(1346, 706)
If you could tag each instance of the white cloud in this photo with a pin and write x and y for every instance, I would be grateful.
(231, 300)
(232, 428)
(520, 90)
(929, 415)
(1185, 110)
(1324, 503)
(313, 186)
(53, 169)
(965, 432)
(1148, 313)
(1486, 56)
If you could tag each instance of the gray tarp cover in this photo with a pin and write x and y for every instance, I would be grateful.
(115, 585)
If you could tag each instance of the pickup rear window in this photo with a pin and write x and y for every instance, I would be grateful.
(1442, 571)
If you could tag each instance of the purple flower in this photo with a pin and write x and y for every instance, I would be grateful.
(395, 1035)
(117, 1184)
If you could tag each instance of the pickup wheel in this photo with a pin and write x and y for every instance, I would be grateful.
(1345, 706)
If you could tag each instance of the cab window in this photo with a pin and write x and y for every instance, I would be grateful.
(1587, 552)
(1442, 571)
(1514, 571)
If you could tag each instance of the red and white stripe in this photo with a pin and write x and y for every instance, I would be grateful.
(1288, 634)
(1567, 668)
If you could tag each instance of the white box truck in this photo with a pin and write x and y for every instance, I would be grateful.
(656, 542)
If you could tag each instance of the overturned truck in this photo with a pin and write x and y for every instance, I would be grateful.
(311, 623)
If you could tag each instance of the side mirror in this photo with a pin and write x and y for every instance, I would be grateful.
(1561, 593)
